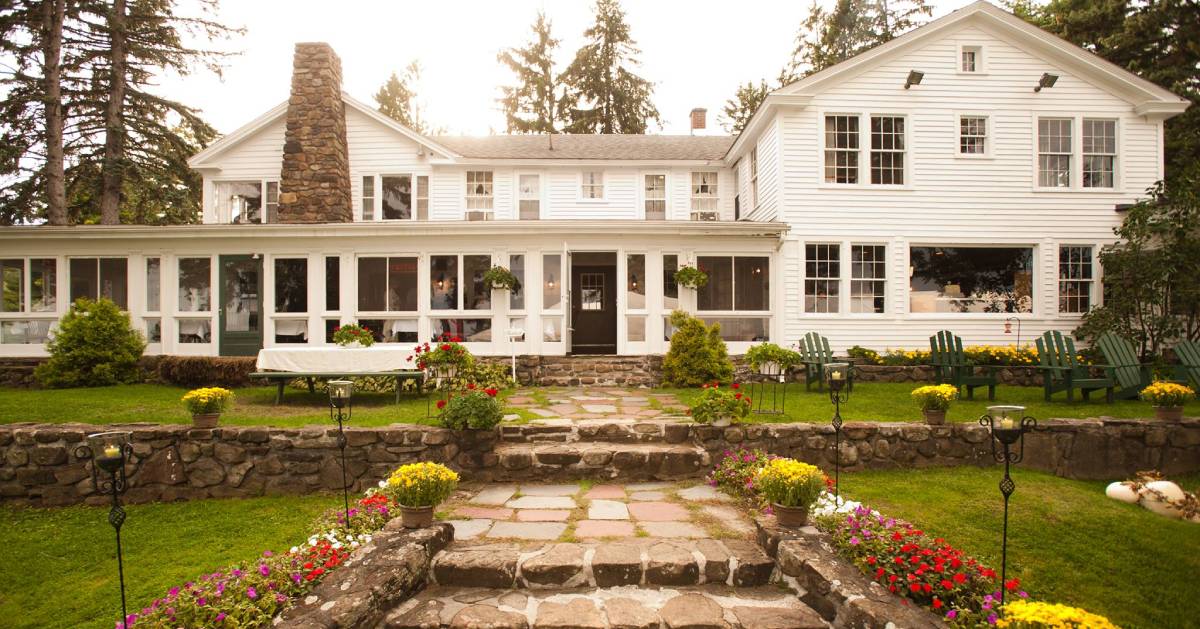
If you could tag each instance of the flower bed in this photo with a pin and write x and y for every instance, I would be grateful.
(994, 355)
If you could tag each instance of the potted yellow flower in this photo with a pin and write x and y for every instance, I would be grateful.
(207, 404)
(1023, 614)
(1168, 399)
(792, 488)
(934, 401)
(418, 488)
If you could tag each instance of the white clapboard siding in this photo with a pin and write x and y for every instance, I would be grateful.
(376, 150)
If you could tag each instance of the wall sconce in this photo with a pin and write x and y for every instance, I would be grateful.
(550, 282)
(914, 78)
(441, 282)
(1047, 80)
(633, 281)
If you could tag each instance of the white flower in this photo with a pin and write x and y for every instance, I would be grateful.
(295, 549)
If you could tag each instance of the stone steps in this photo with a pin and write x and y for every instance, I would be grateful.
(600, 460)
(598, 431)
(628, 607)
(735, 563)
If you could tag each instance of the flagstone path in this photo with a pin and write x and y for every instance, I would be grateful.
(597, 403)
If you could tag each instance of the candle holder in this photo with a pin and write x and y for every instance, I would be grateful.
(340, 407)
(837, 376)
(1007, 431)
(109, 452)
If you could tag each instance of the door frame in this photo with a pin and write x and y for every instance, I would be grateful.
(223, 337)
(569, 277)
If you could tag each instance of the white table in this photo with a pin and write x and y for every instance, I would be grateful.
(334, 359)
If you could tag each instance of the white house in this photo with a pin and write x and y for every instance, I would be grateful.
(956, 177)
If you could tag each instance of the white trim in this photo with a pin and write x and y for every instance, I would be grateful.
(980, 59)
(864, 151)
(579, 196)
(989, 138)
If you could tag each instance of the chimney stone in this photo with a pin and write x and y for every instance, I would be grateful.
(314, 185)
(699, 118)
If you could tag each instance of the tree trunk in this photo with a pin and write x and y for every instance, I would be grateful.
(56, 194)
(112, 175)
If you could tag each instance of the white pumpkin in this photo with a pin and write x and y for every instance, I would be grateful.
(1122, 492)
(1169, 490)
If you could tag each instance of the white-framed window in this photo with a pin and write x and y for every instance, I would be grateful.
(29, 290)
(479, 190)
(970, 59)
(1075, 278)
(368, 198)
(396, 198)
(1054, 152)
(553, 302)
(868, 278)
(971, 279)
(291, 299)
(635, 281)
(822, 277)
(670, 287)
(654, 196)
(422, 197)
(1099, 152)
(737, 295)
(516, 296)
(247, 201)
(841, 148)
(456, 282)
(973, 135)
(754, 177)
(704, 191)
(195, 298)
(591, 185)
(529, 187)
(387, 284)
(333, 283)
(94, 278)
(887, 150)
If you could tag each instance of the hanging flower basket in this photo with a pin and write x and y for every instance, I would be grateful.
(500, 278)
(691, 277)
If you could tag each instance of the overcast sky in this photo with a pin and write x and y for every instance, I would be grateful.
(696, 52)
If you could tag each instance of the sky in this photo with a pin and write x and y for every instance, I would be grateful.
(696, 52)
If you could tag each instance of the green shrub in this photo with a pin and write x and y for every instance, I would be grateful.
(697, 355)
(94, 346)
(485, 375)
(864, 356)
(763, 353)
(474, 408)
(196, 371)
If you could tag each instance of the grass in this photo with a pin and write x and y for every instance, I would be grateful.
(1068, 543)
(61, 566)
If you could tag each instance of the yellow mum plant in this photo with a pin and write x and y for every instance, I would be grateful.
(936, 397)
(422, 484)
(1167, 394)
(1024, 614)
(790, 483)
(207, 400)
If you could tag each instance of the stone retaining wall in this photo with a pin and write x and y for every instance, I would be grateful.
(39, 466)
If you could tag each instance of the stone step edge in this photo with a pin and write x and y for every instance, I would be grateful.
(744, 565)
(596, 460)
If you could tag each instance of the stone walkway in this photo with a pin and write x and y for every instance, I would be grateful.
(597, 403)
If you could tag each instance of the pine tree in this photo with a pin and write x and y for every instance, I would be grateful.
(531, 106)
(603, 95)
(739, 109)
(397, 99)
(850, 28)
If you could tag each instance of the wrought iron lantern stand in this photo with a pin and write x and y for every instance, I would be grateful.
(340, 392)
(837, 376)
(1008, 432)
(109, 452)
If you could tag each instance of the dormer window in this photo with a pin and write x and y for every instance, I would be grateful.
(970, 59)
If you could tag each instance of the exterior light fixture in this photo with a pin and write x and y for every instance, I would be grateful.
(914, 78)
(109, 452)
(1008, 325)
(340, 392)
(837, 376)
(1047, 80)
(441, 282)
(1007, 426)
(550, 282)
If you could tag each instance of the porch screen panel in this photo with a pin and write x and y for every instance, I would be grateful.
(635, 286)
(402, 284)
(291, 285)
(670, 288)
(195, 280)
(12, 275)
(717, 294)
(752, 283)
(372, 284)
(476, 296)
(552, 298)
(516, 296)
(443, 282)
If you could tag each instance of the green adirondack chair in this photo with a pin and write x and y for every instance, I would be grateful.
(950, 365)
(1123, 366)
(814, 355)
(1061, 370)
(1188, 353)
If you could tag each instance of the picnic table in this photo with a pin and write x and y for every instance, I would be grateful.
(283, 364)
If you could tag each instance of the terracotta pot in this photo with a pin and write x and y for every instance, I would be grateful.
(935, 418)
(416, 517)
(790, 517)
(205, 420)
(1168, 413)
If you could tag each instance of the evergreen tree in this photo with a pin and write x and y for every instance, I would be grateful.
(739, 109)
(850, 28)
(397, 99)
(603, 95)
(531, 106)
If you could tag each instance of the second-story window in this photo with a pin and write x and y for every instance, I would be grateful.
(971, 59)
(479, 190)
(754, 178)
(593, 185)
(247, 201)
(704, 192)
(887, 150)
(396, 200)
(531, 197)
(656, 197)
(423, 197)
(841, 149)
(1054, 152)
(972, 135)
(368, 198)
(1099, 152)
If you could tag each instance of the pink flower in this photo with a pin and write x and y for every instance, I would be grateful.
(264, 569)
(251, 593)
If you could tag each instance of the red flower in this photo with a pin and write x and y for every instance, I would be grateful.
(735, 386)
(1012, 584)
(928, 588)
(960, 578)
(737, 396)
(937, 604)
(892, 588)
(471, 386)
(444, 347)
(457, 339)
(915, 587)
(947, 584)
(410, 359)
(491, 391)
(870, 561)
(441, 404)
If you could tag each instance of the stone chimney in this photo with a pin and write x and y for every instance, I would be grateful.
(314, 186)
(699, 119)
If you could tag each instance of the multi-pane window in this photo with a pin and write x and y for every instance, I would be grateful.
(735, 283)
(368, 198)
(704, 191)
(387, 284)
(822, 270)
(94, 278)
(43, 285)
(195, 282)
(972, 135)
(240, 201)
(153, 284)
(841, 149)
(12, 280)
(1054, 152)
(1074, 279)
(291, 285)
(446, 293)
(479, 190)
(423, 197)
(754, 177)
(272, 201)
(1099, 152)
(887, 150)
(592, 186)
(655, 197)
(868, 278)
(970, 59)
(396, 198)
(530, 201)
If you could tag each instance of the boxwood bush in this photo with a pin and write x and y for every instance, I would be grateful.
(95, 346)
(697, 355)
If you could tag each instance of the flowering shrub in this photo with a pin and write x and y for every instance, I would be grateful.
(475, 408)
(1021, 614)
(1167, 394)
(993, 355)
(353, 333)
(736, 472)
(715, 403)
(207, 400)
(864, 356)
(448, 352)
(790, 483)
(422, 484)
(935, 397)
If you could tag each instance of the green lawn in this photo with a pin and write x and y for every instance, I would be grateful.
(1068, 543)
(61, 563)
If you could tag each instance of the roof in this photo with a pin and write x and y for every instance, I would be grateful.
(590, 147)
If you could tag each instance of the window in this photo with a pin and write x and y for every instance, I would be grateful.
(635, 284)
(94, 278)
(516, 296)
(387, 284)
(469, 330)
(635, 326)
(291, 285)
(670, 288)
(593, 185)
(479, 190)
(1099, 152)
(754, 177)
(154, 330)
(887, 150)
(972, 135)
(12, 274)
(396, 197)
(822, 270)
(272, 201)
(25, 331)
(971, 279)
(1054, 152)
(704, 192)
(868, 278)
(744, 329)
(333, 283)
(735, 283)
(390, 330)
(531, 197)
(245, 201)
(552, 298)
(971, 59)
(841, 149)
(445, 293)
(1074, 279)
(655, 197)
(422, 197)
(153, 284)
(591, 291)
(368, 198)
(43, 285)
(195, 280)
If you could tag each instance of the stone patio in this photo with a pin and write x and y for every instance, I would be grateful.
(597, 403)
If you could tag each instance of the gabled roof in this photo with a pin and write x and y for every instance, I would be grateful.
(1147, 98)
(590, 147)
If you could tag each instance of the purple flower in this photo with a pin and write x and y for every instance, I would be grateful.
(952, 614)
(281, 599)
(991, 619)
(296, 577)
(173, 592)
(237, 574)
(264, 569)
(267, 553)
(854, 541)
(221, 617)
(251, 593)
(201, 602)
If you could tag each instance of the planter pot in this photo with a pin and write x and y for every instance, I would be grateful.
(790, 517)
(446, 372)
(722, 422)
(416, 517)
(769, 369)
(1168, 413)
(205, 420)
(935, 418)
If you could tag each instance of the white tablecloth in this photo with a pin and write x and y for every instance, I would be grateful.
(378, 357)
